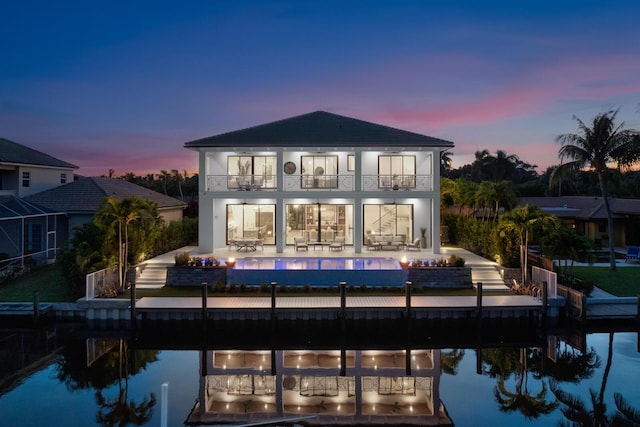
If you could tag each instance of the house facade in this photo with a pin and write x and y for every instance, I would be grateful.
(28, 230)
(588, 216)
(319, 177)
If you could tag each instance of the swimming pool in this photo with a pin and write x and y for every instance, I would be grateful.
(317, 271)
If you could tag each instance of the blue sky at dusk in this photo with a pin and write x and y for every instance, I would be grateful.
(122, 85)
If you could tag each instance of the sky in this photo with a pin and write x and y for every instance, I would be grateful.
(123, 85)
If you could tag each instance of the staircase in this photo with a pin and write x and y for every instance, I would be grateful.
(153, 276)
(489, 276)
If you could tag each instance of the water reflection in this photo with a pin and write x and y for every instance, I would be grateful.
(244, 375)
(380, 387)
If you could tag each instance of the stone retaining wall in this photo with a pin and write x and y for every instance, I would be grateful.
(194, 276)
(440, 277)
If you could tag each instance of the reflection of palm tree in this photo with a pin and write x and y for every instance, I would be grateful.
(119, 411)
(574, 408)
(531, 406)
(627, 415)
(449, 361)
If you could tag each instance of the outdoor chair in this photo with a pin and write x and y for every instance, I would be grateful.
(415, 245)
(633, 253)
(337, 245)
(300, 244)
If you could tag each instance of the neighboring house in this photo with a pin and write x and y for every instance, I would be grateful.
(27, 229)
(80, 199)
(589, 217)
(25, 171)
(318, 176)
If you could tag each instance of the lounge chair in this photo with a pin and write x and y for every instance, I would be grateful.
(300, 243)
(415, 245)
(337, 245)
(633, 253)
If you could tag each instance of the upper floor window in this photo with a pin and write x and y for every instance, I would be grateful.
(319, 171)
(351, 162)
(63, 178)
(26, 179)
(253, 171)
(397, 171)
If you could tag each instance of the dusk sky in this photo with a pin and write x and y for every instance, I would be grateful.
(123, 85)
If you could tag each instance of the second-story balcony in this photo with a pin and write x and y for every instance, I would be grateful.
(332, 183)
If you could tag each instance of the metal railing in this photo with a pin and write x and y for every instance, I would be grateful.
(540, 275)
(342, 182)
(98, 279)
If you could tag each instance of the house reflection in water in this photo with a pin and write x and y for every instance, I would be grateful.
(364, 387)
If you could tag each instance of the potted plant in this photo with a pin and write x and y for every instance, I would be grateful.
(423, 237)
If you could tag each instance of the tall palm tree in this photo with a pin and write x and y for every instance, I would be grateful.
(524, 220)
(446, 162)
(597, 147)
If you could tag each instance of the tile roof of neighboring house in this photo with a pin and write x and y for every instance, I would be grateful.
(320, 129)
(14, 153)
(85, 194)
(15, 207)
(583, 207)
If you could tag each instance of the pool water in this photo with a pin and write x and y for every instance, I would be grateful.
(317, 271)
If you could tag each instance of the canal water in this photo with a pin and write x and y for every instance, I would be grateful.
(380, 373)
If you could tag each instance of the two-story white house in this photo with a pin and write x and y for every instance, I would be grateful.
(318, 176)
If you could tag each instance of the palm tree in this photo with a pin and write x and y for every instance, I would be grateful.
(524, 220)
(496, 195)
(597, 147)
(576, 411)
(115, 217)
(446, 162)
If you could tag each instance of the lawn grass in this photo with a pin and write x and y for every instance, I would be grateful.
(625, 282)
(47, 280)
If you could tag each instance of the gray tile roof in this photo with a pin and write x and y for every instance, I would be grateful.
(581, 207)
(319, 129)
(14, 153)
(85, 194)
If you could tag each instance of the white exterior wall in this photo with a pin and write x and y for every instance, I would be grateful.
(426, 202)
(42, 179)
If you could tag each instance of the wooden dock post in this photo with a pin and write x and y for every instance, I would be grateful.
(343, 361)
(273, 300)
(638, 310)
(407, 361)
(204, 300)
(545, 302)
(407, 294)
(479, 301)
(343, 299)
(132, 304)
(36, 306)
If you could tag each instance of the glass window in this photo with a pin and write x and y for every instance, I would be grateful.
(251, 172)
(32, 238)
(388, 220)
(249, 221)
(26, 179)
(351, 162)
(396, 171)
(319, 171)
(63, 178)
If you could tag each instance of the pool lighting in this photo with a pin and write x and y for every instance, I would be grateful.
(404, 262)
(231, 261)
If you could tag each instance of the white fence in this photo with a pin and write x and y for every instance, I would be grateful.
(98, 279)
(540, 275)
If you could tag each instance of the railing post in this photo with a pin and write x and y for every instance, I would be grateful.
(638, 309)
(343, 299)
(583, 308)
(479, 301)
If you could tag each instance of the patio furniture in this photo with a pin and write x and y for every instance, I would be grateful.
(373, 245)
(415, 245)
(300, 243)
(633, 253)
(337, 245)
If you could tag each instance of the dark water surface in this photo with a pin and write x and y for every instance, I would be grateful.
(371, 374)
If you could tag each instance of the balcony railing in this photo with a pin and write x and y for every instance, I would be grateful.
(221, 183)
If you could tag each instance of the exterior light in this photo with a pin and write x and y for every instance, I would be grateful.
(230, 262)
(404, 262)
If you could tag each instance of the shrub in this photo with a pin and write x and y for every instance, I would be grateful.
(182, 259)
(456, 261)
